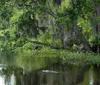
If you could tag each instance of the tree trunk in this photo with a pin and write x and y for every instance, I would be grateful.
(96, 27)
(68, 36)
(80, 36)
(74, 34)
(98, 23)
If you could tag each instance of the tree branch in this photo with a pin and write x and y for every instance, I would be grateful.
(45, 44)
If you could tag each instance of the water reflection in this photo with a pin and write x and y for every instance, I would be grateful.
(4, 79)
(2, 82)
(96, 76)
(46, 71)
(54, 76)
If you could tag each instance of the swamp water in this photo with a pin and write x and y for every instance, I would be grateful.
(45, 71)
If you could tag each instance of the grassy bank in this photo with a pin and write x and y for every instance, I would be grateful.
(64, 56)
(78, 58)
(70, 57)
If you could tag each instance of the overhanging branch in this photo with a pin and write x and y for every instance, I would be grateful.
(45, 44)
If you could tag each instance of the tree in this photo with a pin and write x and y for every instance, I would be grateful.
(61, 22)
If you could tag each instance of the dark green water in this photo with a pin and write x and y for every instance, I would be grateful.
(45, 71)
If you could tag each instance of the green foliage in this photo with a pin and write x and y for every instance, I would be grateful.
(79, 58)
(85, 27)
(46, 37)
(65, 18)
(96, 40)
(98, 19)
(27, 25)
(58, 43)
(19, 21)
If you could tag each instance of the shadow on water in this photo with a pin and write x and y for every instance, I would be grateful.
(52, 76)
(45, 71)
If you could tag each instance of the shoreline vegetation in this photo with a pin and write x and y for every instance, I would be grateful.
(65, 29)
(29, 59)
(63, 56)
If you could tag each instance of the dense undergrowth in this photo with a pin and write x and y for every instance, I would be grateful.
(63, 56)
(79, 58)
(28, 52)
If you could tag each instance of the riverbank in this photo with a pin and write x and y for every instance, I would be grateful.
(79, 58)
(71, 57)
(61, 56)
(66, 56)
